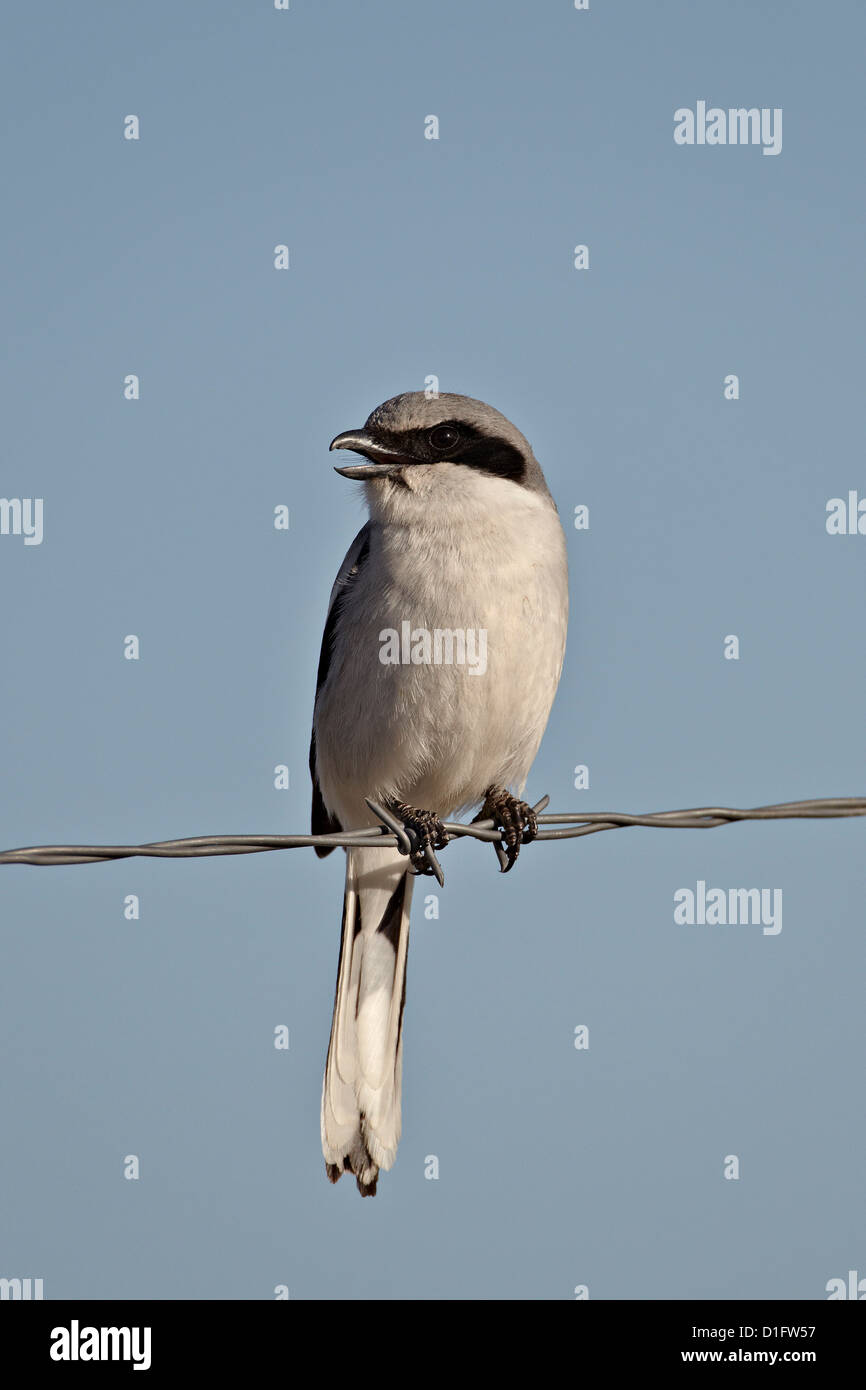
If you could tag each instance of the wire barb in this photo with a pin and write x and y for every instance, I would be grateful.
(390, 822)
(556, 826)
(404, 838)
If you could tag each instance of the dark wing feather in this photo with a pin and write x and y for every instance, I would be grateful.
(322, 821)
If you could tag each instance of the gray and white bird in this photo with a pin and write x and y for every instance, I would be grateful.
(463, 541)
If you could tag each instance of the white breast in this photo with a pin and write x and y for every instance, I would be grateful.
(462, 553)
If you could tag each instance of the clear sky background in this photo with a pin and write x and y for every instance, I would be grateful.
(410, 257)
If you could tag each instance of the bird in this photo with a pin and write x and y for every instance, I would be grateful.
(463, 540)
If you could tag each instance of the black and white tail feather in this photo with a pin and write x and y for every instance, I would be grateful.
(361, 1089)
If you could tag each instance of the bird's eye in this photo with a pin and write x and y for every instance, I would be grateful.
(443, 437)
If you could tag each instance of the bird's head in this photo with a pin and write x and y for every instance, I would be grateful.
(427, 445)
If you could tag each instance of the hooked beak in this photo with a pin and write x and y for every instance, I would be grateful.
(382, 462)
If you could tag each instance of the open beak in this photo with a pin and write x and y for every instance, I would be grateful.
(381, 463)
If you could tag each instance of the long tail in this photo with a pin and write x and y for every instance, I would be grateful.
(361, 1090)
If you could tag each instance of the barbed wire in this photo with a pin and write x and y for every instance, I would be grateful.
(553, 826)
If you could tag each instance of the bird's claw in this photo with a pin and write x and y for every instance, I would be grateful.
(515, 818)
(426, 834)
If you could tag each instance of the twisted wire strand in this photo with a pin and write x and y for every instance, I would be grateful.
(552, 826)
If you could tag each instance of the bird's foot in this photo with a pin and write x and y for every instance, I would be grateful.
(516, 819)
(426, 834)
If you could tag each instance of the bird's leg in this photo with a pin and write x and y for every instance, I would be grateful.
(426, 833)
(516, 819)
